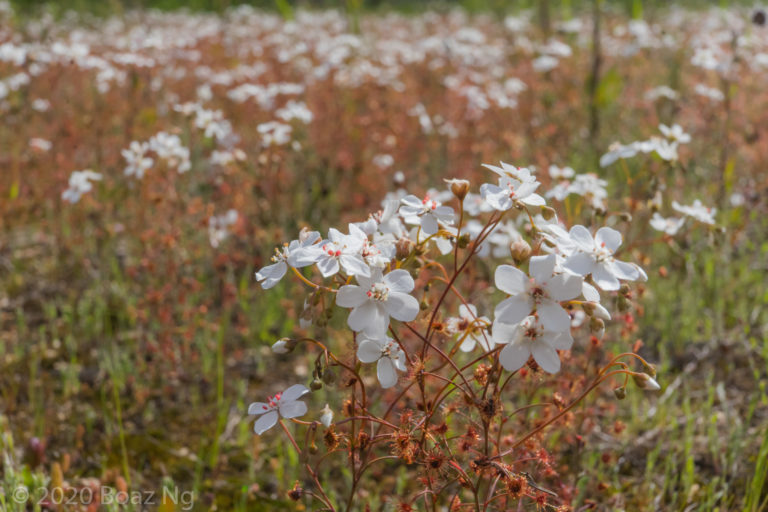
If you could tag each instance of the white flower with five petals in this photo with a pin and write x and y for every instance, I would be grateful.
(387, 355)
(285, 404)
(595, 256)
(542, 292)
(530, 338)
(293, 254)
(427, 212)
(376, 298)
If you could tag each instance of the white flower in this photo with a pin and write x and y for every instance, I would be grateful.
(595, 256)
(425, 212)
(670, 226)
(327, 417)
(675, 133)
(282, 346)
(387, 355)
(292, 254)
(558, 173)
(287, 404)
(530, 338)
(541, 292)
(79, 184)
(376, 298)
(340, 251)
(472, 328)
(697, 210)
(138, 163)
(511, 191)
(218, 227)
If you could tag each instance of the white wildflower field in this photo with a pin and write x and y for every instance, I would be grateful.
(367, 258)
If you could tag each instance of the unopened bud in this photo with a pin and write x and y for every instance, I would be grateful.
(597, 327)
(316, 384)
(296, 492)
(623, 304)
(327, 417)
(645, 381)
(403, 248)
(520, 250)
(620, 392)
(597, 310)
(625, 216)
(283, 346)
(650, 369)
(625, 289)
(329, 376)
(548, 213)
(464, 240)
(460, 188)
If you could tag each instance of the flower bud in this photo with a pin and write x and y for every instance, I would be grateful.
(620, 392)
(329, 376)
(597, 327)
(645, 381)
(520, 250)
(460, 188)
(548, 213)
(283, 346)
(403, 248)
(623, 304)
(625, 216)
(316, 384)
(597, 310)
(464, 240)
(327, 417)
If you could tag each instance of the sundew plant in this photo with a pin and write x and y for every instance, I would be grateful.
(458, 305)
(511, 257)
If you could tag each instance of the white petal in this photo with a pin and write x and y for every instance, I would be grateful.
(362, 316)
(514, 356)
(294, 392)
(258, 408)
(355, 265)
(399, 281)
(623, 270)
(564, 287)
(369, 351)
(514, 309)
(429, 224)
(590, 292)
(402, 306)
(533, 200)
(386, 373)
(541, 267)
(292, 409)
(582, 237)
(265, 423)
(468, 344)
(328, 266)
(580, 264)
(510, 280)
(604, 279)
(546, 356)
(412, 201)
(468, 312)
(350, 296)
(608, 236)
(553, 317)
(270, 275)
(505, 333)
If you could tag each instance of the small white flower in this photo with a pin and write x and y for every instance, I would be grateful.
(595, 256)
(340, 251)
(472, 328)
(697, 211)
(530, 338)
(327, 417)
(387, 355)
(427, 213)
(542, 292)
(292, 254)
(559, 173)
(138, 163)
(376, 298)
(285, 404)
(79, 184)
(670, 226)
(675, 133)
